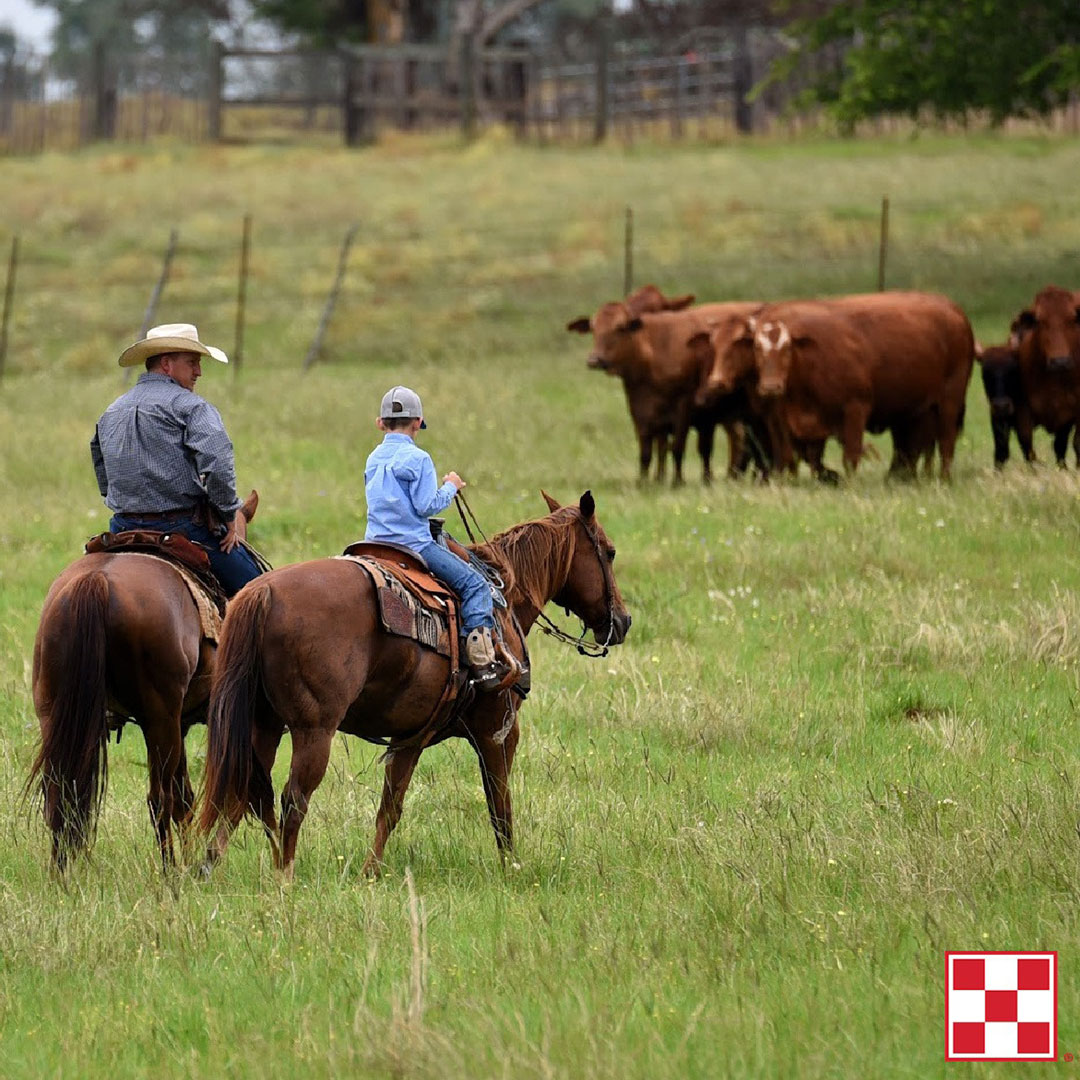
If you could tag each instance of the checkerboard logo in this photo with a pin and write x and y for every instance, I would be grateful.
(1001, 1006)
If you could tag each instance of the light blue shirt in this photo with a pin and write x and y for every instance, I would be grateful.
(402, 492)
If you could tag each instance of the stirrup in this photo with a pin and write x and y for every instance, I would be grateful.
(488, 678)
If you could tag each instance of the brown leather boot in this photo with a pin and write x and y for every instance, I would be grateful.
(487, 670)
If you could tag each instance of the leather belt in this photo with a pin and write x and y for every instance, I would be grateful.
(165, 515)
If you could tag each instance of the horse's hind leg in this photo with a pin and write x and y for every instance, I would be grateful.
(264, 744)
(164, 752)
(183, 799)
(311, 753)
(396, 777)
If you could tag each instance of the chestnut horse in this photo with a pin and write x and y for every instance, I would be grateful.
(119, 633)
(303, 649)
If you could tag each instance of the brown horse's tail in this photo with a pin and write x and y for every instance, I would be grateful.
(72, 763)
(232, 770)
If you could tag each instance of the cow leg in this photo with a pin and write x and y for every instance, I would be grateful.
(1061, 445)
(1001, 429)
(854, 430)
(739, 453)
(706, 436)
(645, 451)
(757, 448)
(396, 777)
(1025, 430)
(661, 456)
(905, 459)
(813, 450)
(1076, 445)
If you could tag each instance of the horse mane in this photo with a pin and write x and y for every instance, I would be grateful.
(531, 555)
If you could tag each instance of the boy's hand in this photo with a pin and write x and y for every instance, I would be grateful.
(453, 478)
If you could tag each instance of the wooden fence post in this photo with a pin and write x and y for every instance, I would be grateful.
(628, 253)
(883, 243)
(155, 296)
(9, 300)
(600, 123)
(744, 81)
(352, 115)
(680, 99)
(104, 95)
(216, 86)
(331, 300)
(241, 297)
(468, 85)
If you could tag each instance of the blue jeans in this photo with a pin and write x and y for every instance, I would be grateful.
(474, 591)
(233, 570)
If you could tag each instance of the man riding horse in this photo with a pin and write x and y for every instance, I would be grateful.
(163, 460)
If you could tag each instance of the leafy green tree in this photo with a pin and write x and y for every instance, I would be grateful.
(949, 57)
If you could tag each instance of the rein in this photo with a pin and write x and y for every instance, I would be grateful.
(585, 648)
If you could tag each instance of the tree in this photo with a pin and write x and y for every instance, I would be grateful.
(174, 35)
(1004, 57)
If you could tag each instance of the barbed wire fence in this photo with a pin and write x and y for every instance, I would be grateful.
(335, 296)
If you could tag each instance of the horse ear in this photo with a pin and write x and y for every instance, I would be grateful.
(588, 505)
(552, 504)
(580, 326)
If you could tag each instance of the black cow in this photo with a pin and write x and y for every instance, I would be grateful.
(1005, 394)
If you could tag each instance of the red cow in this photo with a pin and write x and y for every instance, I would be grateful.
(660, 375)
(881, 361)
(1047, 336)
(731, 389)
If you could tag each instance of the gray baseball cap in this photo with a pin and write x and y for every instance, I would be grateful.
(401, 403)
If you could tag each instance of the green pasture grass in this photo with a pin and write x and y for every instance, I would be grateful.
(839, 740)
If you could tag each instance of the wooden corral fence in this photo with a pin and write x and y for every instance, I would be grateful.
(365, 89)
(688, 95)
(702, 91)
(354, 93)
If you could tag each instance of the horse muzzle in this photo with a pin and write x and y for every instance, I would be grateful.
(614, 631)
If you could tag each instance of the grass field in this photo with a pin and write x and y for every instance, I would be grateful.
(839, 740)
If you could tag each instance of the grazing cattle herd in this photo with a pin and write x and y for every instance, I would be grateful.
(782, 378)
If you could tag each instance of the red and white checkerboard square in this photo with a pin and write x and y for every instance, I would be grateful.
(1001, 1006)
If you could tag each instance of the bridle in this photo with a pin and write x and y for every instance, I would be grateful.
(590, 649)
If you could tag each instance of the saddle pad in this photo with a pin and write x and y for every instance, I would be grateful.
(209, 616)
(412, 603)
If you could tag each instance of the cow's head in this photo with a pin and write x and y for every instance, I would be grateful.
(731, 346)
(613, 329)
(1051, 329)
(1001, 379)
(773, 350)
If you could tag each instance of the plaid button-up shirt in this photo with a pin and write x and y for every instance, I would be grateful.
(160, 447)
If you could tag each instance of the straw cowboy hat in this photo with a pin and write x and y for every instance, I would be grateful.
(167, 338)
